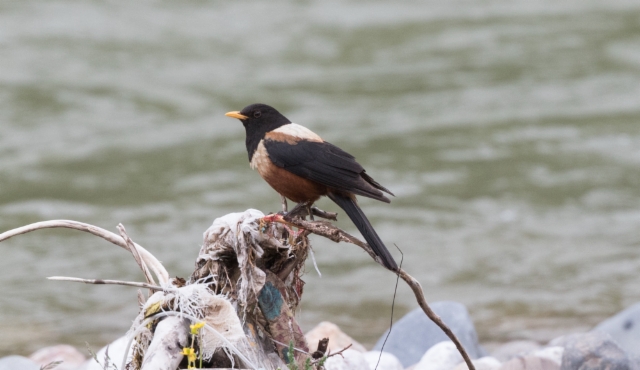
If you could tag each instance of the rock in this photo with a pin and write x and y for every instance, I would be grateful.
(337, 338)
(551, 353)
(515, 348)
(530, 363)
(593, 350)
(17, 363)
(624, 328)
(484, 363)
(442, 356)
(414, 334)
(71, 358)
(350, 360)
(387, 361)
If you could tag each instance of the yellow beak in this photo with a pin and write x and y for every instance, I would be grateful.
(235, 114)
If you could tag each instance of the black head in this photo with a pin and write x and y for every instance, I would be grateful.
(258, 119)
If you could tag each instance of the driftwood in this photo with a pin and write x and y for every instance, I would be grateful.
(170, 336)
(240, 300)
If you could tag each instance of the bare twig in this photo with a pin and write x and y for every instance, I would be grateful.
(338, 235)
(155, 265)
(324, 214)
(106, 282)
(136, 256)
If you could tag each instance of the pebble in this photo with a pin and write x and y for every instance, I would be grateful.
(17, 363)
(591, 351)
(624, 328)
(414, 333)
(387, 361)
(442, 356)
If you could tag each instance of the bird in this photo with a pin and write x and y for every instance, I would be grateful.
(299, 165)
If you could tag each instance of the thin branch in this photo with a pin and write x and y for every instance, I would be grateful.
(340, 351)
(103, 281)
(156, 266)
(338, 235)
(324, 214)
(136, 256)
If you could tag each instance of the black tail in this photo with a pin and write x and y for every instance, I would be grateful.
(356, 215)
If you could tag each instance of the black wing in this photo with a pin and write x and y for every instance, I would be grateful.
(325, 164)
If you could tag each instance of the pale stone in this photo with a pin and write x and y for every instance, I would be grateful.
(350, 360)
(387, 361)
(553, 353)
(442, 356)
(484, 363)
(17, 363)
(516, 348)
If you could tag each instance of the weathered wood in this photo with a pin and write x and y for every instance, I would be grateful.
(165, 350)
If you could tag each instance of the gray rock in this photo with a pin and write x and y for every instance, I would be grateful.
(17, 363)
(624, 328)
(414, 334)
(592, 351)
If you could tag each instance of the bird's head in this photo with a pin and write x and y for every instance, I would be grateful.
(259, 118)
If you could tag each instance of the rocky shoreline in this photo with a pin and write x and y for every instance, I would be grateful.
(415, 343)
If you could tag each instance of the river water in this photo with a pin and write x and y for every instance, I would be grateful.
(508, 130)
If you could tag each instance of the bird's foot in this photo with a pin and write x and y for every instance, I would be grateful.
(300, 210)
(303, 210)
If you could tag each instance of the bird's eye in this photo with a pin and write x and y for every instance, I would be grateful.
(257, 114)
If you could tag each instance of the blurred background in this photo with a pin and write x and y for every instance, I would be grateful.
(509, 131)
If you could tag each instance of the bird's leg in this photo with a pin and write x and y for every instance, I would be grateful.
(300, 210)
(284, 203)
(309, 210)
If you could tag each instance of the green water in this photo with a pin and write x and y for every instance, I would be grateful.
(509, 132)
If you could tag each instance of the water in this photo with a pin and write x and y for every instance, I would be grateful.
(508, 131)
